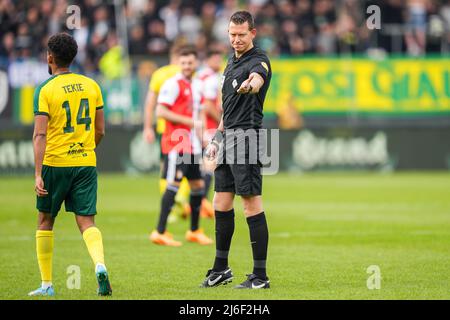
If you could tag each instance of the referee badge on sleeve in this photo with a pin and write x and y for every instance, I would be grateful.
(265, 66)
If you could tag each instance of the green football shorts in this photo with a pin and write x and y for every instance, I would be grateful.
(76, 186)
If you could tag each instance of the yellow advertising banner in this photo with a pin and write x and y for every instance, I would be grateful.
(392, 86)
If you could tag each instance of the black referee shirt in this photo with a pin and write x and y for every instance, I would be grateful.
(244, 111)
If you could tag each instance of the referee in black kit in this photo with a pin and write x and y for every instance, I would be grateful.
(245, 82)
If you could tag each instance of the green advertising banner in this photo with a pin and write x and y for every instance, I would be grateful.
(396, 86)
(124, 100)
(312, 86)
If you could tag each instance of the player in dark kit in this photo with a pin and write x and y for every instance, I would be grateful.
(245, 83)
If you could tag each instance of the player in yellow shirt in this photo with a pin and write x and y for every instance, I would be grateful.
(158, 78)
(69, 125)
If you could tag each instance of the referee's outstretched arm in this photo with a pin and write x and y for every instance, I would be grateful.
(252, 84)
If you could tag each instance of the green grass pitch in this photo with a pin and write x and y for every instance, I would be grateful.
(326, 229)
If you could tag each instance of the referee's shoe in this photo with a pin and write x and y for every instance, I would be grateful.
(216, 278)
(253, 282)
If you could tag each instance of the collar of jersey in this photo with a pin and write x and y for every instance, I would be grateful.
(182, 77)
(65, 72)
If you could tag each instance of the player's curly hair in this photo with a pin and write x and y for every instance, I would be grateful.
(64, 48)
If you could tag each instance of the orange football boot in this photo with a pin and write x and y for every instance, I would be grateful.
(165, 239)
(198, 236)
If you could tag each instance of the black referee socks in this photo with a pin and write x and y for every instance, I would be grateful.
(224, 233)
(259, 238)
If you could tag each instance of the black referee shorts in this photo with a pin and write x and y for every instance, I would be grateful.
(241, 179)
(239, 166)
(174, 171)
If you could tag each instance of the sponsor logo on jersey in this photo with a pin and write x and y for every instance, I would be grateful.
(76, 150)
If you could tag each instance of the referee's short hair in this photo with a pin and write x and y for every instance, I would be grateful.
(240, 17)
(64, 48)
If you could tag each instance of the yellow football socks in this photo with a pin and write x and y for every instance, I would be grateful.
(162, 185)
(183, 192)
(44, 251)
(93, 239)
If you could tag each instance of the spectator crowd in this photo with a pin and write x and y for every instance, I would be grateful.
(285, 27)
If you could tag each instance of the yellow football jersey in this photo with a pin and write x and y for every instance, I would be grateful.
(70, 101)
(158, 78)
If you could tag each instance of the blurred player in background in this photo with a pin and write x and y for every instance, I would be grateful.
(158, 78)
(210, 76)
(69, 125)
(179, 104)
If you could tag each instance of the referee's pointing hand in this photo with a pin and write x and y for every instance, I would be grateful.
(245, 86)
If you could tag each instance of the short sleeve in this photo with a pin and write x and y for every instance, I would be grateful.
(168, 93)
(40, 103)
(99, 103)
(260, 65)
(211, 87)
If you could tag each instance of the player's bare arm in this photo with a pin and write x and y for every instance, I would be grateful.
(150, 104)
(200, 132)
(39, 145)
(220, 127)
(99, 126)
(163, 112)
(211, 109)
(252, 84)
